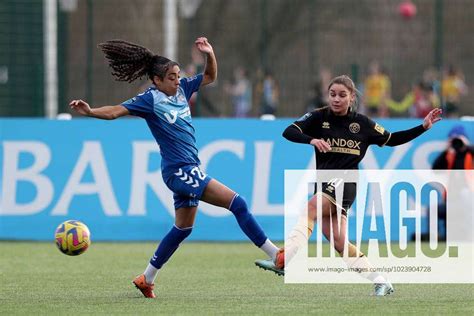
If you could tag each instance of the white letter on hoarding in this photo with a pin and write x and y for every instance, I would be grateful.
(92, 156)
(261, 179)
(11, 175)
(141, 177)
(206, 154)
(370, 162)
(423, 152)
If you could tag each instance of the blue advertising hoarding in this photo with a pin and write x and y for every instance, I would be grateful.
(107, 174)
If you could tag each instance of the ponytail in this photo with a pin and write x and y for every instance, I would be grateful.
(131, 61)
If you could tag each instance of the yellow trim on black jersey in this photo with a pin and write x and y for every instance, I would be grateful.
(389, 136)
(298, 128)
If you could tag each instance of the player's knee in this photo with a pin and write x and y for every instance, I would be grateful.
(238, 206)
(183, 232)
(312, 212)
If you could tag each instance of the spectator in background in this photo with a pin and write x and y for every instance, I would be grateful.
(452, 88)
(319, 94)
(270, 94)
(201, 100)
(431, 77)
(190, 71)
(318, 98)
(457, 156)
(377, 87)
(241, 93)
(325, 76)
(424, 100)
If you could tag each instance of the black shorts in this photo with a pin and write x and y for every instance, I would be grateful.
(348, 195)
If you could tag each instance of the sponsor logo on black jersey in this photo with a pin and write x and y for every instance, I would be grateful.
(325, 124)
(344, 146)
(354, 128)
(379, 128)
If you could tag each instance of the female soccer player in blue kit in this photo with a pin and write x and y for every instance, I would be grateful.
(165, 108)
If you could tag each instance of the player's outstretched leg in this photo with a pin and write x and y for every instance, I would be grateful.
(276, 265)
(218, 194)
(297, 238)
(250, 227)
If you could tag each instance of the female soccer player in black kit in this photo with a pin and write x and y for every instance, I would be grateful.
(341, 137)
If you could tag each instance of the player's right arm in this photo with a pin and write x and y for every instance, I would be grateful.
(299, 130)
(107, 112)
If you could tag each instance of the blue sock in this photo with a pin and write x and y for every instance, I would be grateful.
(246, 221)
(168, 245)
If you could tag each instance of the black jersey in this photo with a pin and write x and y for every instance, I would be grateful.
(349, 136)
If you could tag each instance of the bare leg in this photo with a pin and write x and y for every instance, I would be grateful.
(304, 228)
(352, 256)
(185, 216)
(218, 194)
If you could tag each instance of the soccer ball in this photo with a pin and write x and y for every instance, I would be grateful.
(72, 237)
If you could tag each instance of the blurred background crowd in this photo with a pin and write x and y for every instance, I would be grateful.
(275, 57)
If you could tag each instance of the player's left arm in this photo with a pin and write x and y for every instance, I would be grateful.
(210, 71)
(402, 137)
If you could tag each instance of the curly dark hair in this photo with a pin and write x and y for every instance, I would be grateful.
(130, 61)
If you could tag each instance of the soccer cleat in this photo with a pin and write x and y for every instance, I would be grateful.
(383, 289)
(280, 259)
(145, 288)
(269, 265)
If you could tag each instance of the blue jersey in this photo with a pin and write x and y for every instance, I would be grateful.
(169, 119)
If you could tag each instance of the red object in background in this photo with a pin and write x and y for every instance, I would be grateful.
(407, 9)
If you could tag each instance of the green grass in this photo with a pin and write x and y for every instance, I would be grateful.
(201, 278)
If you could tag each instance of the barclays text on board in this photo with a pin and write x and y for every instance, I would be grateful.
(107, 174)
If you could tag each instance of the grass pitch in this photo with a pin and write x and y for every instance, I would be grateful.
(201, 278)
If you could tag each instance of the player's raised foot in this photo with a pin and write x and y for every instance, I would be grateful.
(383, 289)
(269, 265)
(145, 288)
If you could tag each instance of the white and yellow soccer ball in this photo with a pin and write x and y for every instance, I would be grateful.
(72, 237)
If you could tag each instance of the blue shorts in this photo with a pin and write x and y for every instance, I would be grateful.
(187, 182)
